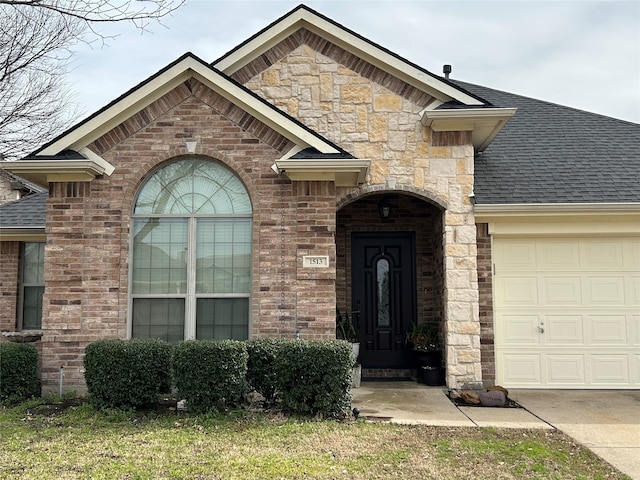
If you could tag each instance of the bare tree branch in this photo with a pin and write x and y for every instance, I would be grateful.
(36, 37)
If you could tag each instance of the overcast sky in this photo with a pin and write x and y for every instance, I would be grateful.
(583, 54)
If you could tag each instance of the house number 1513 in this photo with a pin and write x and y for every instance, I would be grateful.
(315, 261)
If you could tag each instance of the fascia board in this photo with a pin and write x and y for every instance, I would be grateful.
(167, 81)
(263, 112)
(260, 44)
(41, 172)
(22, 234)
(560, 219)
(349, 42)
(99, 125)
(479, 116)
(546, 209)
(485, 123)
(345, 173)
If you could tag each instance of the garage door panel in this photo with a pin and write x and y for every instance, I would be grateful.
(520, 330)
(567, 312)
(610, 369)
(632, 253)
(606, 254)
(604, 291)
(565, 369)
(520, 291)
(561, 291)
(634, 291)
(521, 369)
(563, 330)
(608, 330)
(558, 255)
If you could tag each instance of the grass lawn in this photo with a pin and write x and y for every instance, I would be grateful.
(46, 439)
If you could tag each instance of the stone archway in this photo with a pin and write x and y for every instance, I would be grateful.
(408, 214)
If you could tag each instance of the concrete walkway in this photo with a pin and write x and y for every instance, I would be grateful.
(606, 422)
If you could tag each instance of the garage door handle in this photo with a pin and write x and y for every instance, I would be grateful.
(541, 328)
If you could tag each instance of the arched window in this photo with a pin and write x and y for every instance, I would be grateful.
(191, 254)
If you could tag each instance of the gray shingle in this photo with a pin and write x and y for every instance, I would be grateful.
(25, 212)
(549, 153)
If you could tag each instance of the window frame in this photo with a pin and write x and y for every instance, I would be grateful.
(191, 295)
(22, 285)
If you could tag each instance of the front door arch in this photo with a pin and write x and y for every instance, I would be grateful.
(409, 216)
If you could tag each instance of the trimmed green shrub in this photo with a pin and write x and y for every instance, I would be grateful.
(18, 371)
(127, 373)
(261, 372)
(210, 374)
(314, 377)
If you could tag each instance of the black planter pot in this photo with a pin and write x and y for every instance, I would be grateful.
(433, 376)
(427, 359)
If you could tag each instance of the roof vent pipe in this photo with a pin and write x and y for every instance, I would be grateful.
(446, 69)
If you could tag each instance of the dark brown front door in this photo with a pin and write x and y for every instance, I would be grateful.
(383, 294)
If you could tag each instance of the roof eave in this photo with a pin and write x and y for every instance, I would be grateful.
(187, 67)
(345, 173)
(484, 123)
(485, 212)
(41, 172)
(22, 234)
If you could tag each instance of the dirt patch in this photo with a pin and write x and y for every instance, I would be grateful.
(56, 407)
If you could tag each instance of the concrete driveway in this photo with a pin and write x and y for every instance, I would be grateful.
(607, 422)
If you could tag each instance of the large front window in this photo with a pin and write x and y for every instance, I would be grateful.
(191, 254)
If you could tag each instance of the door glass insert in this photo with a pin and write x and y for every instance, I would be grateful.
(382, 269)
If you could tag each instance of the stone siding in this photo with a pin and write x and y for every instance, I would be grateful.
(378, 119)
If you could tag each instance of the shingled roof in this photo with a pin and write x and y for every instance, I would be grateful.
(549, 153)
(27, 212)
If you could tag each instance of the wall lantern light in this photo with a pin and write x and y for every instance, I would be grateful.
(384, 208)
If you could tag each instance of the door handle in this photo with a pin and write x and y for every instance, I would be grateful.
(541, 328)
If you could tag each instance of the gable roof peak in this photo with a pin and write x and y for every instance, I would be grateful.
(303, 17)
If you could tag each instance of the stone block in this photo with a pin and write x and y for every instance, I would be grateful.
(356, 93)
(387, 103)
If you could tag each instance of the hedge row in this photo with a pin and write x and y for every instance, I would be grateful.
(18, 372)
(311, 377)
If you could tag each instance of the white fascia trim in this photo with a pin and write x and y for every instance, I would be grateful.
(345, 173)
(96, 127)
(560, 219)
(351, 43)
(98, 160)
(438, 119)
(263, 112)
(485, 123)
(549, 209)
(41, 172)
(167, 81)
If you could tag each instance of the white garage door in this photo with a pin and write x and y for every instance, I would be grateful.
(567, 312)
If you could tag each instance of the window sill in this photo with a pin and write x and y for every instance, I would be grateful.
(25, 336)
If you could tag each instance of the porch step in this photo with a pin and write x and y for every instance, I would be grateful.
(388, 374)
